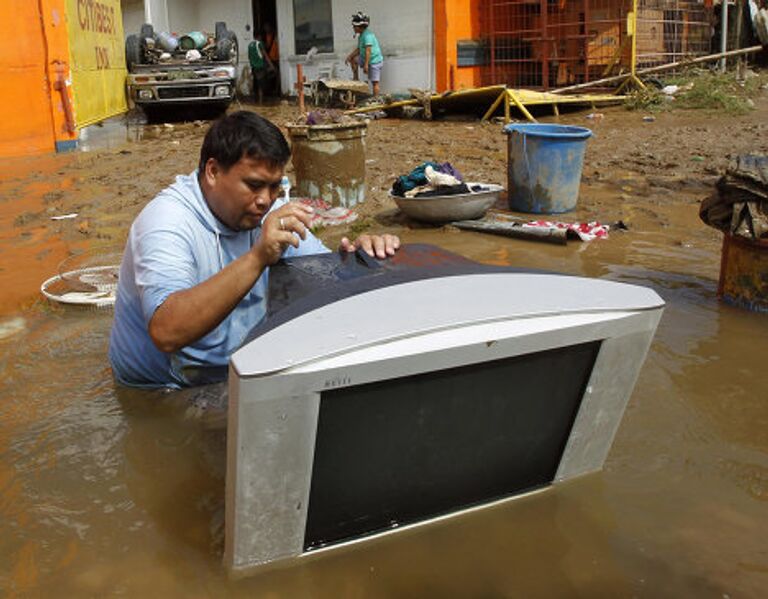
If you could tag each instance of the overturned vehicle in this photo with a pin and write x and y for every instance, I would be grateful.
(196, 70)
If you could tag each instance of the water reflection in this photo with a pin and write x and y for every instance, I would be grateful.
(130, 127)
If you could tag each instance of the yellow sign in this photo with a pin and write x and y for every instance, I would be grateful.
(97, 57)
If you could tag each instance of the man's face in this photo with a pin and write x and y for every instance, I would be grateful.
(242, 195)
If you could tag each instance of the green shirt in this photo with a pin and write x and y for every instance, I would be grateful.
(368, 39)
(256, 55)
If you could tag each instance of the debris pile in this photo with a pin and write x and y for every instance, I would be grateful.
(324, 116)
(739, 204)
(343, 93)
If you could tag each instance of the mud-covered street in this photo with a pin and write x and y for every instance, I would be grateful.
(649, 175)
(105, 491)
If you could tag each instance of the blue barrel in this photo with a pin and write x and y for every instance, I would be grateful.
(544, 164)
(167, 41)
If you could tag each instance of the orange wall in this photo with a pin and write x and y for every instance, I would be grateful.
(454, 20)
(32, 116)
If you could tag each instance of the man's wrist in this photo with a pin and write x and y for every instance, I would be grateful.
(255, 262)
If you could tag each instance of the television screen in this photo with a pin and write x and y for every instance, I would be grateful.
(407, 449)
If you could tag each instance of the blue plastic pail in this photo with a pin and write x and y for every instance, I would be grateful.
(544, 165)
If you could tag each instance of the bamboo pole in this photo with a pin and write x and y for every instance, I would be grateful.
(660, 68)
(300, 87)
(377, 107)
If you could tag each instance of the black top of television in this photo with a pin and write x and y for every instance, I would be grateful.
(299, 285)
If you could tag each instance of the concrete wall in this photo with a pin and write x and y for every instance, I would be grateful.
(455, 20)
(237, 14)
(133, 15)
(156, 13)
(184, 16)
(37, 42)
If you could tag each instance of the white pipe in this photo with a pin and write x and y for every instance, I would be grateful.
(431, 83)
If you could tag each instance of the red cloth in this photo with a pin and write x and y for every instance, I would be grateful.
(585, 231)
(326, 215)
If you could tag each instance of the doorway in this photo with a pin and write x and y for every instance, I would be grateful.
(265, 23)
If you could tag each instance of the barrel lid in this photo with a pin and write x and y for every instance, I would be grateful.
(549, 130)
(328, 126)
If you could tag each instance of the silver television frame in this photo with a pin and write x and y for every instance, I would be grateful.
(276, 381)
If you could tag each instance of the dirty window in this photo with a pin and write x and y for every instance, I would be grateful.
(313, 25)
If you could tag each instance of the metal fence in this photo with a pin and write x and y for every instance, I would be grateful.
(545, 44)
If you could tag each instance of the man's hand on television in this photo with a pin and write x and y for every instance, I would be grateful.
(378, 246)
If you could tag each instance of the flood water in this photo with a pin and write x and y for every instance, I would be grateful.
(111, 492)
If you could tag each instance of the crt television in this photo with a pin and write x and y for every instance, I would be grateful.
(378, 396)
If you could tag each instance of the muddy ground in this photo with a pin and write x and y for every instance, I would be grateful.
(642, 173)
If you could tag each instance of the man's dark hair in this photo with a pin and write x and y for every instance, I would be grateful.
(243, 133)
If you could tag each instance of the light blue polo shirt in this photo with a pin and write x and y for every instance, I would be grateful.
(175, 243)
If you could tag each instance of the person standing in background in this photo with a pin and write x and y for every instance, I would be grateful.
(262, 67)
(272, 48)
(368, 52)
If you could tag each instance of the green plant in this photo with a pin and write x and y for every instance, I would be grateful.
(648, 99)
(700, 90)
(717, 91)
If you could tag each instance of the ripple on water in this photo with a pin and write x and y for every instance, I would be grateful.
(11, 326)
(88, 469)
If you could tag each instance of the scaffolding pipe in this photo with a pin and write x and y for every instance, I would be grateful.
(632, 21)
(659, 69)
(723, 33)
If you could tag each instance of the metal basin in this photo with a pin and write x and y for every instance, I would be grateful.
(443, 209)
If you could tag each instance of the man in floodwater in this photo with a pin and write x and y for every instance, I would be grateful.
(193, 280)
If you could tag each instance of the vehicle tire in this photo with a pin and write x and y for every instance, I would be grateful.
(133, 51)
(653, 82)
(153, 114)
(147, 31)
(215, 111)
(235, 51)
(227, 50)
(220, 30)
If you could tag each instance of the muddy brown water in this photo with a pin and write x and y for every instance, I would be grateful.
(106, 491)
